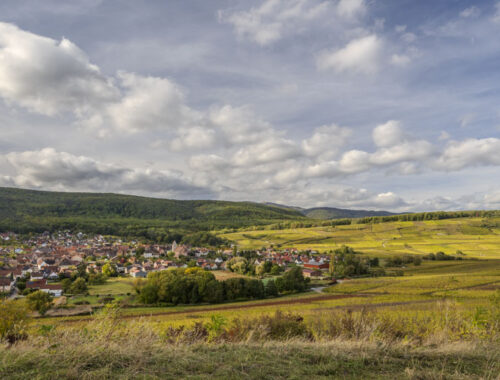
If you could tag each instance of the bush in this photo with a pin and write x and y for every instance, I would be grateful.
(13, 320)
(39, 301)
(280, 326)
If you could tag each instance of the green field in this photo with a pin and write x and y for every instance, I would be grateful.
(113, 286)
(383, 239)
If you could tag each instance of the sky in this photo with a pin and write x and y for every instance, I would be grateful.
(368, 104)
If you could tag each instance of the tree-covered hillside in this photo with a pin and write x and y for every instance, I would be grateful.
(338, 213)
(34, 211)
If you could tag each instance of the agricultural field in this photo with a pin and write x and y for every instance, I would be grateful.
(113, 286)
(468, 235)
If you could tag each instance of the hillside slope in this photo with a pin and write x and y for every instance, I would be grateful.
(339, 213)
(331, 212)
(19, 202)
(26, 211)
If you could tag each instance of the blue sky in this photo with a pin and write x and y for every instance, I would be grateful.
(347, 103)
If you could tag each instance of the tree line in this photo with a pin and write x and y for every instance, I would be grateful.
(195, 285)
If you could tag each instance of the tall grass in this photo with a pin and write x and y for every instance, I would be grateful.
(443, 342)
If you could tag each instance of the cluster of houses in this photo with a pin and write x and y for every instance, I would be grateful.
(47, 258)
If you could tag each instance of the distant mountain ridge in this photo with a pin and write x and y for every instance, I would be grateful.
(333, 212)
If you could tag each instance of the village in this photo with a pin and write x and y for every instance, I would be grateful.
(44, 260)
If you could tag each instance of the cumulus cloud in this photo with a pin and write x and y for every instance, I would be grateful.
(194, 138)
(150, 103)
(361, 55)
(273, 19)
(388, 134)
(239, 125)
(470, 152)
(48, 76)
(326, 140)
(272, 149)
(50, 169)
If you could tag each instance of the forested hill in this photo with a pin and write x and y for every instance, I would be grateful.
(332, 212)
(338, 213)
(19, 203)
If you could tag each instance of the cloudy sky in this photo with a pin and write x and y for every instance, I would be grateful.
(391, 104)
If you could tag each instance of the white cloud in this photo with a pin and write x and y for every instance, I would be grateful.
(50, 169)
(361, 55)
(271, 149)
(239, 124)
(150, 103)
(48, 76)
(470, 12)
(388, 134)
(273, 19)
(470, 152)
(351, 8)
(326, 140)
(194, 138)
(496, 16)
(355, 161)
(400, 60)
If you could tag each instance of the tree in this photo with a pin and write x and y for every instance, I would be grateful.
(79, 286)
(237, 264)
(66, 285)
(271, 289)
(82, 270)
(260, 270)
(39, 301)
(275, 270)
(293, 280)
(109, 270)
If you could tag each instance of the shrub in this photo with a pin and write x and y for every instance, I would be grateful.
(13, 320)
(39, 301)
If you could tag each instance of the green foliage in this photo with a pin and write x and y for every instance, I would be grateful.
(39, 301)
(79, 286)
(292, 281)
(270, 289)
(109, 270)
(160, 220)
(238, 264)
(195, 285)
(441, 256)
(203, 239)
(348, 264)
(96, 279)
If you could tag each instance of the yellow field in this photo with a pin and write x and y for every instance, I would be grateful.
(383, 239)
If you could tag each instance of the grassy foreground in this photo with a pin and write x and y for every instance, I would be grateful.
(276, 360)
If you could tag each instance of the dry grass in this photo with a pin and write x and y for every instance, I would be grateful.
(445, 343)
